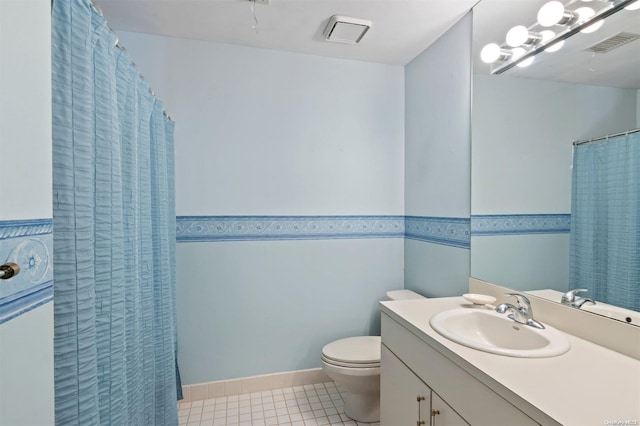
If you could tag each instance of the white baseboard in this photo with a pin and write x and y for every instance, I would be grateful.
(251, 384)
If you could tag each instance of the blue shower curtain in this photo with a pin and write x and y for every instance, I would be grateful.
(605, 221)
(113, 231)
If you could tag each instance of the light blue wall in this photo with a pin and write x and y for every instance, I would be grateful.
(522, 262)
(256, 307)
(261, 132)
(436, 270)
(276, 133)
(437, 157)
(26, 316)
(522, 134)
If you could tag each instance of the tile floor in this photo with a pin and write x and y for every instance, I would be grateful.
(319, 404)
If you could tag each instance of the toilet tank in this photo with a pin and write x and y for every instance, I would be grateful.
(403, 295)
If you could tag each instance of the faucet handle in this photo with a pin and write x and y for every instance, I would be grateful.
(523, 313)
(570, 296)
(521, 299)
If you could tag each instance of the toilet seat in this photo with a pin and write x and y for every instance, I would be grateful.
(349, 365)
(353, 352)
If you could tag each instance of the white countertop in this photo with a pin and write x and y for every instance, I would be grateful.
(588, 385)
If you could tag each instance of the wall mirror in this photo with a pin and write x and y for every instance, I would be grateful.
(523, 124)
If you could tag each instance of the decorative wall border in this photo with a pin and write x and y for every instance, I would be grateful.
(520, 224)
(29, 243)
(440, 230)
(449, 231)
(24, 228)
(22, 302)
(259, 228)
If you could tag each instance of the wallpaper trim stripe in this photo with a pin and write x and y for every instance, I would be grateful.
(439, 230)
(520, 224)
(22, 302)
(24, 228)
(31, 239)
(266, 228)
(449, 231)
(29, 243)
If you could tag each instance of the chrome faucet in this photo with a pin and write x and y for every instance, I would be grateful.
(522, 314)
(570, 298)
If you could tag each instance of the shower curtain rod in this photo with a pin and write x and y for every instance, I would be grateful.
(121, 47)
(602, 138)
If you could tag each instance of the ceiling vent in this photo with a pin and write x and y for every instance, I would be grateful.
(613, 42)
(343, 29)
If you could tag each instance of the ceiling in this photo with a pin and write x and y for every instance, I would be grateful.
(401, 29)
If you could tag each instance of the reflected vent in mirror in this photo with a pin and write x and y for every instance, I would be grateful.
(613, 42)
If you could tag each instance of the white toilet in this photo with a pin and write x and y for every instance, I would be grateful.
(354, 363)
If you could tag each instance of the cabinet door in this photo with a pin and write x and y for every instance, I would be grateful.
(443, 415)
(404, 398)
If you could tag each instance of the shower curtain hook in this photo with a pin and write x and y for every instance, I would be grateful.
(97, 8)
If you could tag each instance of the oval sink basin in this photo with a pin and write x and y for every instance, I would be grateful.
(490, 331)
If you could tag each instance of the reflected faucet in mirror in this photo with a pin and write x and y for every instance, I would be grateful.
(571, 298)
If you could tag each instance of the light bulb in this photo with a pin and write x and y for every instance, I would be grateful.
(517, 36)
(526, 62)
(549, 35)
(550, 13)
(555, 47)
(584, 13)
(593, 27)
(633, 6)
(517, 52)
(490, 53)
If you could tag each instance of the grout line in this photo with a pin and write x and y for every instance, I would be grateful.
(239, 409)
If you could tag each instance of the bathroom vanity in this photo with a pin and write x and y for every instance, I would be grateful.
(427, 379)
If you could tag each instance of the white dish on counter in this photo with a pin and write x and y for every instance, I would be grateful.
(479, 299)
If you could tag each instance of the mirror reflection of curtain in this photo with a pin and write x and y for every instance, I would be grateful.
(605, 220)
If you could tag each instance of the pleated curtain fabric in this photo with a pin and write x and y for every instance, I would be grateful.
(113, 230)
(605, 221)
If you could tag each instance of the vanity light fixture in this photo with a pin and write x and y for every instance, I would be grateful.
(523, 43)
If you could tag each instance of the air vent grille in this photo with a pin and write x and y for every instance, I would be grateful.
(613, 42)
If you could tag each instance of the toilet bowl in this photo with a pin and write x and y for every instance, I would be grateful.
(354, 364)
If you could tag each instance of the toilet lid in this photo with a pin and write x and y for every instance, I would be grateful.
(354, 350)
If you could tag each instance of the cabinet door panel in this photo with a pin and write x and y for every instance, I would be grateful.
(399, 393)
(472, 399)
(443, 415)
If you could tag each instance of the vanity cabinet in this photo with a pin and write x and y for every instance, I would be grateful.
(411, 368)
(408, 401)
